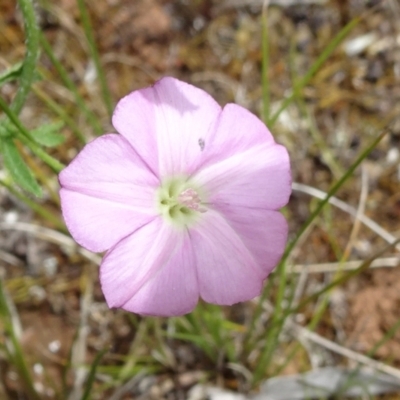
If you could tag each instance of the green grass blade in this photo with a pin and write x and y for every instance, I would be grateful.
(59, 111)
(28, 72)
(329, 49)
(92, 375)
(387, 336)
(16, 353)
(87, 26)
(265, 66)
(81, 103)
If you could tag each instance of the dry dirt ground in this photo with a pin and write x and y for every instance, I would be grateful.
(216, 45)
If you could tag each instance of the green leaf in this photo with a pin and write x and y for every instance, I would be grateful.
(48, 135)
(19, 171)
(11, 74)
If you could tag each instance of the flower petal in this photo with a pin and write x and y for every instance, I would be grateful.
(228, 272)
(151, 272)
(235, 131)
(251, 171)
(263, 232)
(134, 118)
(106, 193)
(174, 119)
(257, 178)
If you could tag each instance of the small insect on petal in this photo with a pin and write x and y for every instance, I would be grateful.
(202, 143)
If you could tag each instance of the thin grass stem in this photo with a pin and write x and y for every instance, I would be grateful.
(388, 335)
(90, 116)
(342, 279)
(265, 64)
(326, 53)
(87, 26)
(15, 352)
(327, 155)
(37, 208)
(26, 138)
(92, 375)
(53, 106)
(31, 56)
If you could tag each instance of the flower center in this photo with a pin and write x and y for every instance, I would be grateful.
(179, 202)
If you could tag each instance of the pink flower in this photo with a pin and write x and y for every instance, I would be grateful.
(184, 199)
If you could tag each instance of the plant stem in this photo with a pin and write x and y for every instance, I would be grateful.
(14, 350)
(31, 56)
(332, 45)
(91, 117)
(95, 55)
(60, 112)
(37, 208)
(28, 140)
(265, 65)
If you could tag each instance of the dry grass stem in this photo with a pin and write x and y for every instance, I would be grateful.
(344, 266)
(343, 351)
(51, 236)
(319, 194)
(360, 212)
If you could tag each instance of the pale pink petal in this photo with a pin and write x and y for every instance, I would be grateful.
(169, 120)
(106, 193)
(236, 130)
(257, 178)
(151, 272)
(264, 233)
(99, 224)
(174, 289)
(227, 270)
(135, 118)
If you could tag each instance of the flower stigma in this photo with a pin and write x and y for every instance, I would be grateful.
(179, 202)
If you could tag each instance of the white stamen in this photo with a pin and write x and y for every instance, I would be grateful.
(190, 199)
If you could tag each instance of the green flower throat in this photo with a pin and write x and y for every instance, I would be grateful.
(179, 202)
